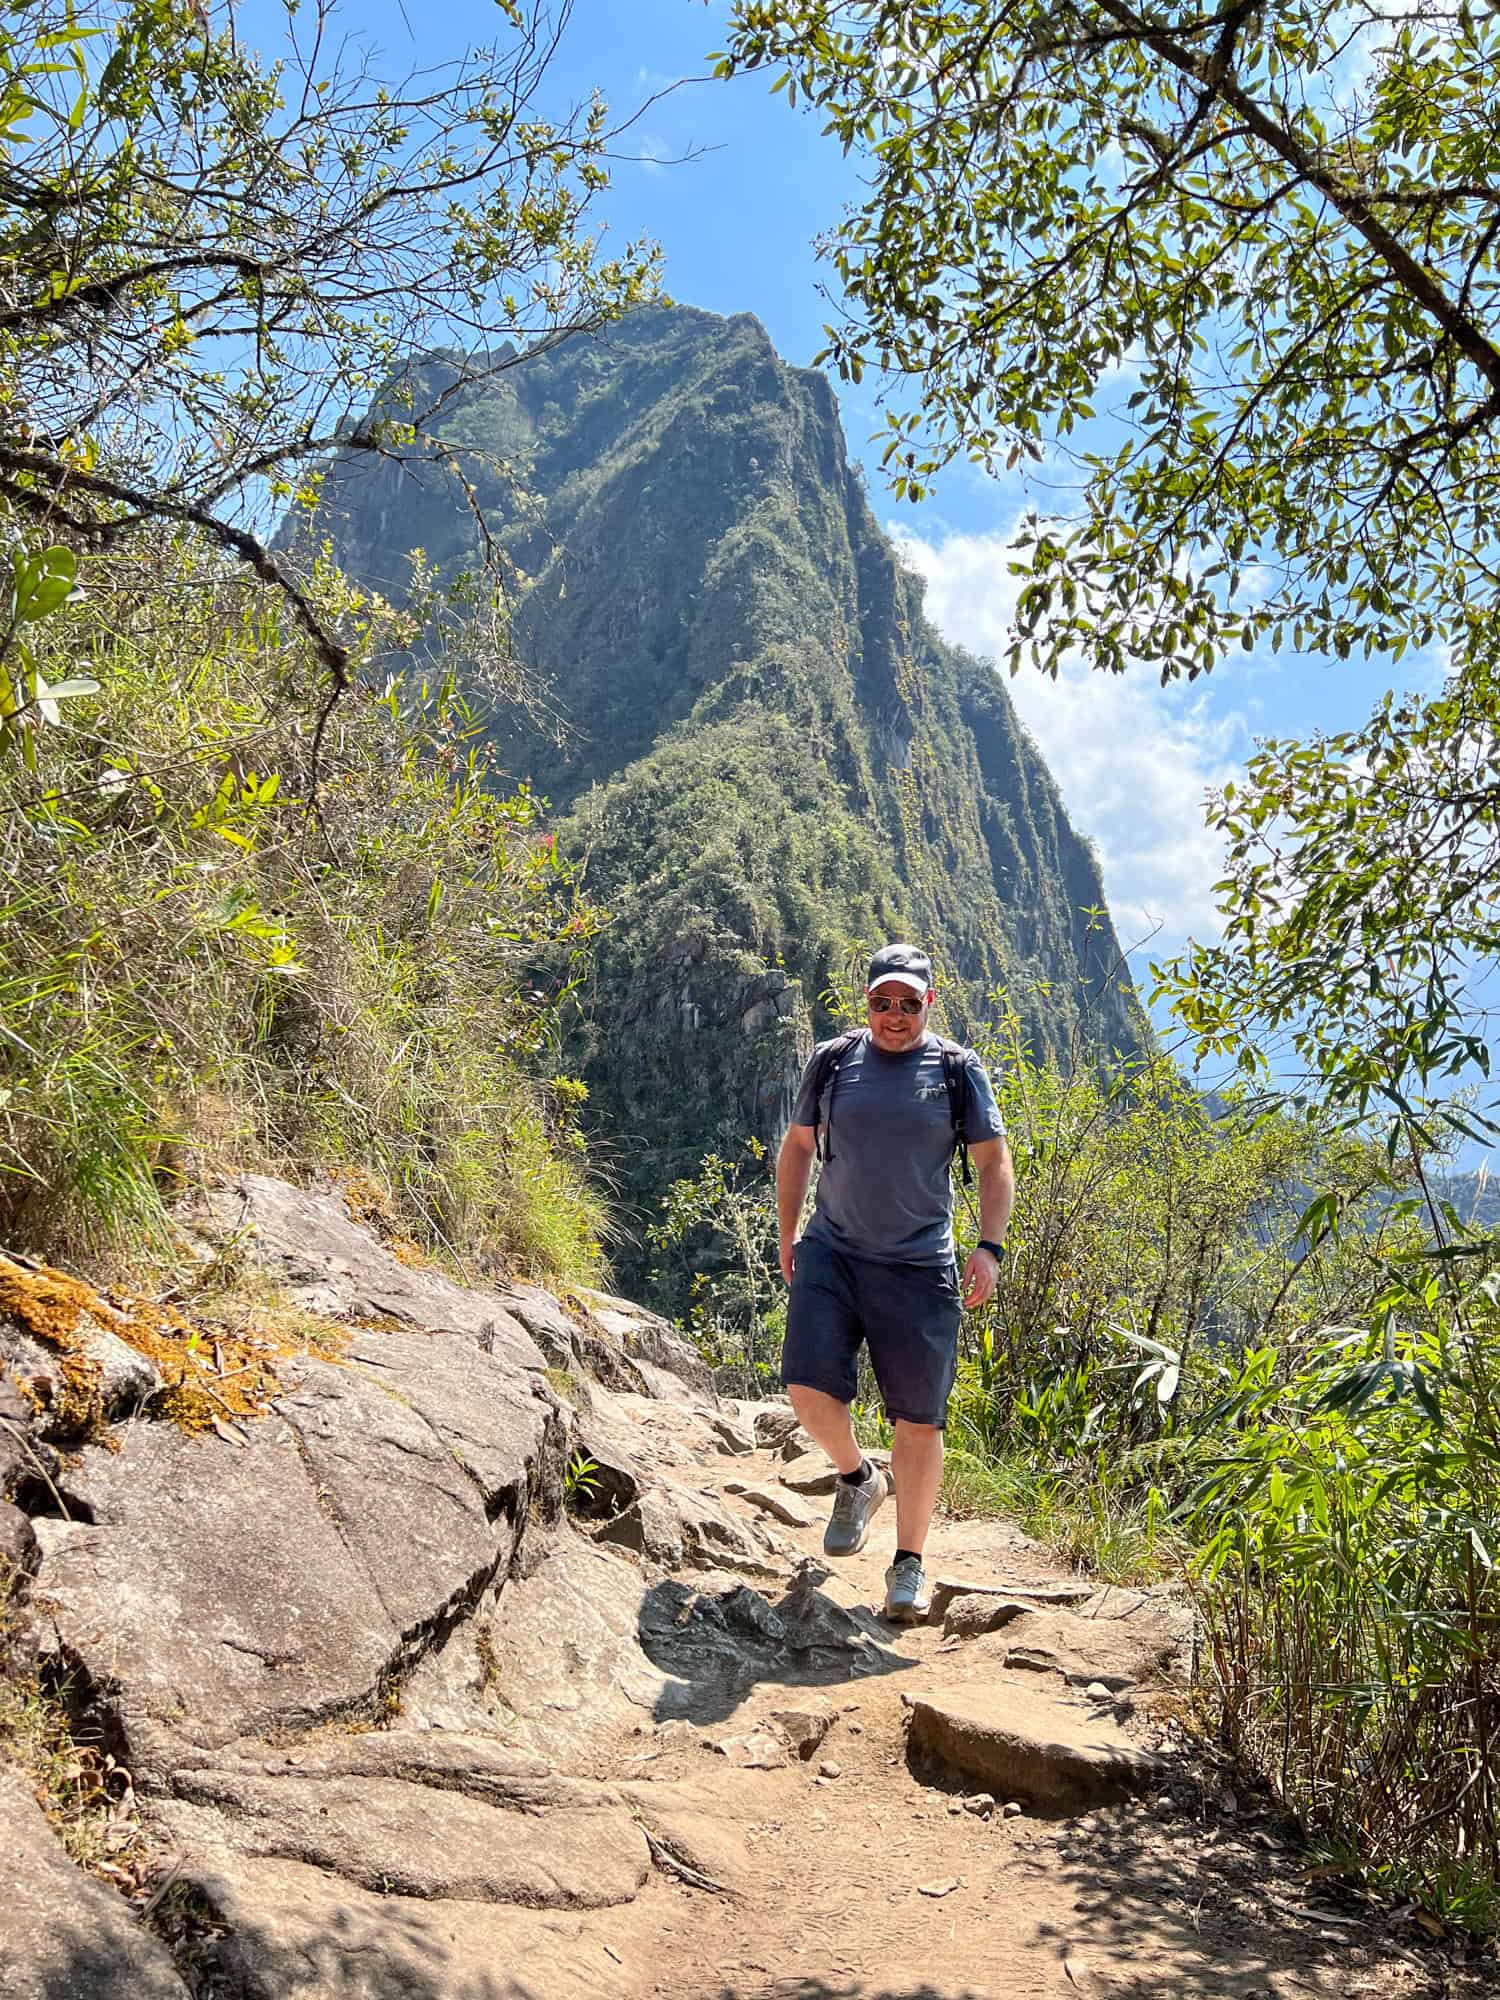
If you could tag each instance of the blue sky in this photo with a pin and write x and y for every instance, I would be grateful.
(737, 224)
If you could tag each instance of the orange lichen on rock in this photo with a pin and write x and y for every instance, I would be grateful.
(209, 1372)
(52, 1308)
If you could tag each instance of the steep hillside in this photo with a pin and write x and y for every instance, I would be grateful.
(771, 759)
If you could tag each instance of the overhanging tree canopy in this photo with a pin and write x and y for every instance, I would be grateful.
(1269, 235)
(210, 263)
(1282, 219)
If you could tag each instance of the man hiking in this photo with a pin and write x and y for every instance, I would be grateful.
(876, 1266)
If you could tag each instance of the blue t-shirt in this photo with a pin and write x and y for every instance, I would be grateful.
(885, 1192)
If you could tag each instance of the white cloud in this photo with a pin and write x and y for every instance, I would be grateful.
(654, 155)
(1133, 759)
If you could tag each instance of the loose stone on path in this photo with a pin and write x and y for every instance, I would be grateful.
(947, 1587)
(1018, 1741)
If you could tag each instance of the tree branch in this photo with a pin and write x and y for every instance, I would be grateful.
(103, 529)
(1351, 203)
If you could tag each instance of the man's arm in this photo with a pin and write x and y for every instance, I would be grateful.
(793, 1171)
(997, 1193)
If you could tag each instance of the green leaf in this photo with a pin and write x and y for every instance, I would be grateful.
(43, 582)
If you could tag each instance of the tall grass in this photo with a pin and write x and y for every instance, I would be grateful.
(206, 962)
(1345, 1565)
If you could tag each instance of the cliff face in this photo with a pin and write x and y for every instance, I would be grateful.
(771, 760)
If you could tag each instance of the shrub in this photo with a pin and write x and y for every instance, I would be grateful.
(1346, 1538)
(231, 936)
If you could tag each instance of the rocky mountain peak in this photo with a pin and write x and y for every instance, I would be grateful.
(771, 760)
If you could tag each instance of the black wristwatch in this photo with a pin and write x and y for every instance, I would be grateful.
(996, 1250)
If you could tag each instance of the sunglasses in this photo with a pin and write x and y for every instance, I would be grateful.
(882, 1003)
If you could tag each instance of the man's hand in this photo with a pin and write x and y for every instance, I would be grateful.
(788, 1257)
(980, 1274)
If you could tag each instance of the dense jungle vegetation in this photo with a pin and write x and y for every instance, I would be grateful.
(263, 901)
(1282, 220)
(266, 900)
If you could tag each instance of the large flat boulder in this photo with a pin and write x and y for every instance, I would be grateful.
(1011, 1738)
(492, 1418)
(404, 1836)
(62, 1933)
(213, 1595)
(287, 1931)
(1119, 1651)
(946, 1588)
(553, 1661)
(222, 1588)
(481, 1766)
(370, 1457)
(425, 1463)
(331, 1265)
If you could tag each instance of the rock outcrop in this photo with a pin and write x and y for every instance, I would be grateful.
(481, 1644)
(267, 1623)
(1017, 1742)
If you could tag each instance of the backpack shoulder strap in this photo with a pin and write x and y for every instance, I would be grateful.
(955, 1078)
(828, 1059)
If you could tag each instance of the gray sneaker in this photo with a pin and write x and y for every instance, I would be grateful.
(853, 1507)
(907, 1597)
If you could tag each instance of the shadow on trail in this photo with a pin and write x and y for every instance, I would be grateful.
(1194, 1915)
(716, 1644)
(400, 1955)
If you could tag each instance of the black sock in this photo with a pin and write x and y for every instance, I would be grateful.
(902, 1554)
(858, 1478)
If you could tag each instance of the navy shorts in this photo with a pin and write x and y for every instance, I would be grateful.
(907, 1314)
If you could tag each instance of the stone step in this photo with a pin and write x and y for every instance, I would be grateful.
(1017, 1742)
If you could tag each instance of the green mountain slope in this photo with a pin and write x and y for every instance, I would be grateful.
(772, 760)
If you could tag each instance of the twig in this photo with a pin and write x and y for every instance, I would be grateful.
(664, 1858)
(162, 1887)
(234, 1415)
(25, 1444)
(1309, 1916)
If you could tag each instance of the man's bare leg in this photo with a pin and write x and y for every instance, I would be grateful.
(917, 1470)
(826, 1421)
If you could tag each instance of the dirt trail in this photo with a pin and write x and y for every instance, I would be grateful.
(863, 1873)
(397, 1726)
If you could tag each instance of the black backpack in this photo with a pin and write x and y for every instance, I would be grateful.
(832, 1054)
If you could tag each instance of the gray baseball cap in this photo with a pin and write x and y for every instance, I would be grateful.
(903, 963)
